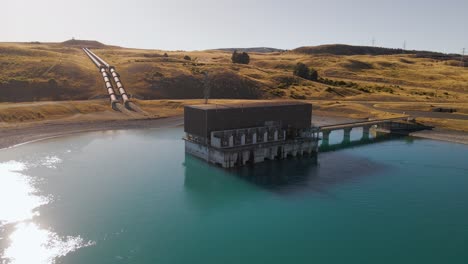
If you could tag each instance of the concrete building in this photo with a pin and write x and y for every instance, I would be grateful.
(236, 134)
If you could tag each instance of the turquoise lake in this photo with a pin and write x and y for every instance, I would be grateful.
(134, 196)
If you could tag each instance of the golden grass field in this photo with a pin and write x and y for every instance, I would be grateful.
(46, 81)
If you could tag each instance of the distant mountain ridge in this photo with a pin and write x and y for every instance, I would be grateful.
(255, 49)
(348, 50)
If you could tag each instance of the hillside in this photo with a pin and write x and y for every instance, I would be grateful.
(256, 50)
(348, 50)
(83, 43)
(61, 71)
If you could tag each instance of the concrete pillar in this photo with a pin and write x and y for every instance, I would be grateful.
(282, 154)
(231, 141)
(365, 132)
(265, 136)
(275, 137)
(254, 138)
(325, 137)
(347, 135)
(243, 139)
(245, 157)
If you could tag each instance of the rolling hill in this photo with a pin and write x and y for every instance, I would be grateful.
(61, 71)
(256, 50)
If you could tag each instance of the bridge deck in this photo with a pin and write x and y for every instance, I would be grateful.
(360, 124)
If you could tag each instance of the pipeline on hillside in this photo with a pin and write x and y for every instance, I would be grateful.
(105, 76)
(116, 77)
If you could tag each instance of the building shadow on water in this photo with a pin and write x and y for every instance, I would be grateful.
(282, 177)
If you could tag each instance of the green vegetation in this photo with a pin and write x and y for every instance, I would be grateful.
(240, 58)
(301, 70)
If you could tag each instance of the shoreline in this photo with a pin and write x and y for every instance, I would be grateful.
(17, 136)
(20, 135)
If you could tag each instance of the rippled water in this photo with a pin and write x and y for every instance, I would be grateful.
(135, 197)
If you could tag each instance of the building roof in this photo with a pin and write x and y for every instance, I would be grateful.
(244, 104)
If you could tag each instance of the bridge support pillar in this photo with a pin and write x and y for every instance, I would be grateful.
(347, 135)
(325, 137)
(365, 132)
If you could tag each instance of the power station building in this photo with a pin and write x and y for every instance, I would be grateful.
(236, 134)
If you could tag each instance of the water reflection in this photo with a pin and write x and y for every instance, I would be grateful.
(31, 244)
(17, 194)
(283, 177)
(344, 144)
(21, 240)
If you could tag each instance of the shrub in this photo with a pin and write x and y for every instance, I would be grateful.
(240, 58)
(301, 70)
(313, 76)
(297, 96)
(278, 92)
(286, 82)
(187, 57)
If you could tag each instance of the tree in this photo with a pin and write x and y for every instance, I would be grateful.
(234, 56)
(313, 75)
(241, 58)
(244, 58)
(301, 70)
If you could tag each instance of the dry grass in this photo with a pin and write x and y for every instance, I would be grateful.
(462, 108)
(149, 75)
(12, 113)
(390, 82)
(17, 114)
(349, 109)
(453, 124)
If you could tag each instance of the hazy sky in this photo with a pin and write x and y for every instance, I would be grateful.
(204, 24)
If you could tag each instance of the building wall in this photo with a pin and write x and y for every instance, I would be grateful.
(202, 122)
(229, 159)
(195, 121)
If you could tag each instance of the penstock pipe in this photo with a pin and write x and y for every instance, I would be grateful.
(116, 77)
(105, 76)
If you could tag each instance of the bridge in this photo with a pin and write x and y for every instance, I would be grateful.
(399, 125)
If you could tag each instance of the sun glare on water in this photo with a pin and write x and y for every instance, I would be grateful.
(19, 200)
